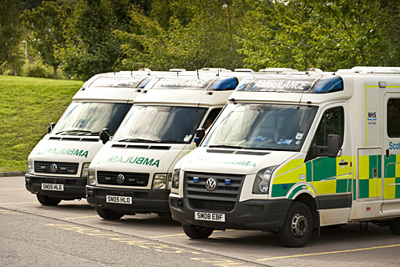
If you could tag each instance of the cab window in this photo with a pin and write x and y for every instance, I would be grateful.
(332, 122)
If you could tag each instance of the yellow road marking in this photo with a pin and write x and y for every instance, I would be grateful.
(82, 217)
(161, 236)
(329, 252)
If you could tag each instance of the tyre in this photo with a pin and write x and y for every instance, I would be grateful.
(197, 232)
(47, 201)
(394, 226)
(298, 226)
(108, 214)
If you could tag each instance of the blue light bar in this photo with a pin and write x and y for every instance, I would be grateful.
(228, 182)
(195, 179)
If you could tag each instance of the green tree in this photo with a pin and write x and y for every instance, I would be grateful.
(189, 34)
(45, 23)
(324, 34)
(11, 33)
(90, 46)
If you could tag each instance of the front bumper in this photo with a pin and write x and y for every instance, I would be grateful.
(74, 187)
(265, 215)
(143, 201)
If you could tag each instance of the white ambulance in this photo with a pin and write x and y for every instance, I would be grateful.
(57, 166)
(294, 152)
(132, 173)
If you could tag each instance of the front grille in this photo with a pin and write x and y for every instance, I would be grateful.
(123, 178)
(222, 198)
(56, 167)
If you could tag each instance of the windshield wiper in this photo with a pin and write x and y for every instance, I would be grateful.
(171, 141)
(138, 140)
(226, 146)
(77, 131)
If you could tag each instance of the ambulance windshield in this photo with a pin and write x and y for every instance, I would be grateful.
(260, 126)
(90, 118)
(160, 124)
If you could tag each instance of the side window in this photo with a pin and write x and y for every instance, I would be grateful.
(393, 118)
(332, 122)
(211, 117)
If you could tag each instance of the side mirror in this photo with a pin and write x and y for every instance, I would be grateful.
(333, 145)
(200, 133)
(105, 135)
(51, 127)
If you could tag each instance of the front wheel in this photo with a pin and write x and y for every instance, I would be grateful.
(47, 201)
(108, 214)
(197, 232)
(298, 226)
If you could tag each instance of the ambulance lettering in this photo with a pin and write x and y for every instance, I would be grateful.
(66, 151)
(132, 160)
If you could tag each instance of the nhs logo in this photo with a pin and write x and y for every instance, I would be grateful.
(372, 118)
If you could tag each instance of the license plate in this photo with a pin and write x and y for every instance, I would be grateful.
(208, 216)
(52, 187)
(118, 199)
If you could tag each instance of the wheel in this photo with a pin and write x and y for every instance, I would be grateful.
(47, 201)
(108, 214)
(197, 232)
(394, 226)
(298, 226)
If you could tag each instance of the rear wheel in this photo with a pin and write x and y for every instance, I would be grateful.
(394, 226)
(47, 201)
(197, 232)
(298, 226)
(108, 214)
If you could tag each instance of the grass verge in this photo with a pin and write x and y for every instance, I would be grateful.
(27, 107)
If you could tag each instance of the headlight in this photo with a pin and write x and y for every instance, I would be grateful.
(263, 180)
(91, 177)
(29, 167)
(175, 178)
(85, 168)
(162, 180)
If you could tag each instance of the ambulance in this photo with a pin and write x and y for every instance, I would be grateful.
(296, 151)
(132, 173)
(58, 166)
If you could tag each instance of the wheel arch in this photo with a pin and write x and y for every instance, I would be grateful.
(312, 204)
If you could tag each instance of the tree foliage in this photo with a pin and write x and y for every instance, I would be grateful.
(45, 23)
(325, 34)
(11, 33)
(85, 37)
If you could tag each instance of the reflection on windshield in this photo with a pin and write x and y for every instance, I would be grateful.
(161, 124)
(261, 126)
(91, 118)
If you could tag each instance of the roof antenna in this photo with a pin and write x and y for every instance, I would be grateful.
(198, 75)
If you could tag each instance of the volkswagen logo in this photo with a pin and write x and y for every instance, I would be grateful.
(53, 167)
(211, 184)
(120, 179)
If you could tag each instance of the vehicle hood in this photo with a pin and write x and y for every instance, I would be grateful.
(234, 161)
(66, 148)
(140, 158)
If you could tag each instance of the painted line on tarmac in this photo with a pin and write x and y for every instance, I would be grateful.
(195, 255)
(329, 252)
(82, 217)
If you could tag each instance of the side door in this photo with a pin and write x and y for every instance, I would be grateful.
(331, 176)
(391, 147)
